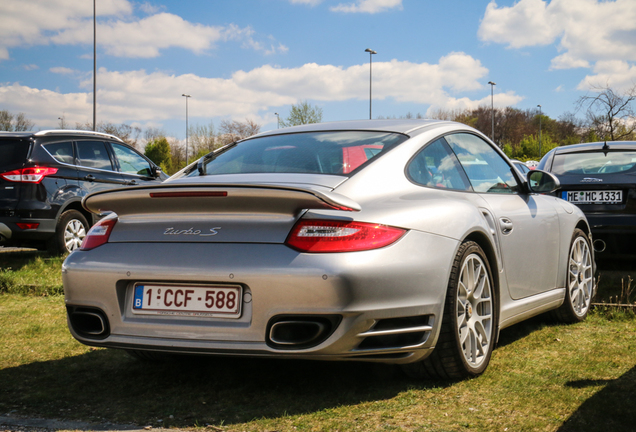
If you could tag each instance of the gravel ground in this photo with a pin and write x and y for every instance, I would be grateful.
(15, 424)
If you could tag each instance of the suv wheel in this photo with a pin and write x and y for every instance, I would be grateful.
(70, 230)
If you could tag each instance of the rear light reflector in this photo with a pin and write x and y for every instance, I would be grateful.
(99, 234)
(320, 236)
(187, 194)
(28, 175)
(27, 226)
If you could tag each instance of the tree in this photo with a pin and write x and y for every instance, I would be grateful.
(610, 113)
(231, 131)
(128, 134)
(302, 113)
(16, 123)
(159, 152)
(202, 139)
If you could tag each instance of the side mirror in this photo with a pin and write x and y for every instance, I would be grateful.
(155, 170)
(542, 182)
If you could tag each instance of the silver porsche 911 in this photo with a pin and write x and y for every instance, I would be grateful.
(403, 241)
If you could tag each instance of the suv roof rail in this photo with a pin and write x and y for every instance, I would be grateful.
(78, 132)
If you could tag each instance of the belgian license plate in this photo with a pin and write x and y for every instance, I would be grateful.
(594, 197)
(187, 300)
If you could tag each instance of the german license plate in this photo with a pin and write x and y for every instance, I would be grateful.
(594, 197)
(187, 300)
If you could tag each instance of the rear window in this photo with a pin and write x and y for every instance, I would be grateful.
(13, 152)
(337, 153)
(610, 162)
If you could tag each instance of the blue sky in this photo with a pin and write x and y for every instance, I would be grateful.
(249, 59)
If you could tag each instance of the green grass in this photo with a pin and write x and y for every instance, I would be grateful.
(542, 377)
(33, 273)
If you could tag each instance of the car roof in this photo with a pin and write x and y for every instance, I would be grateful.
(611, 145)
(60, 132)
(403, 126)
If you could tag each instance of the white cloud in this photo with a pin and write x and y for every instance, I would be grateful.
(62, 70)
(30, 22)
(69, 22)
(150, 98)
(30, 67)
(617, 74)
(306, 2)
(587, 31)
(368, 6)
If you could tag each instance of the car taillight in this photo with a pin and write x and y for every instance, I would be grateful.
(320, 236)
(27, 225)
(99, 234)
(28, 175)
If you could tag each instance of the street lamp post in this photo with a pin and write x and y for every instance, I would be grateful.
(94, 65)
(277, 121)
(539, 131)
(186, 96)
(371, 52)
(492, 110)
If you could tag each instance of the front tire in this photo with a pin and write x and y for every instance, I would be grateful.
(580, 281)
(469, 323)
(70, 230)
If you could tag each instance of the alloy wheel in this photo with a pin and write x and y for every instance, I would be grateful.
(74, 233)
(580, 276)
(474, 310)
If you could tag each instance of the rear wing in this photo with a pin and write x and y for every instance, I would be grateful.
(226, 198)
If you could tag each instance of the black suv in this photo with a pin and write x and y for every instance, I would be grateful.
(44, 176)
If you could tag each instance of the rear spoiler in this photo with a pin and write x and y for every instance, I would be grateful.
(226, 198)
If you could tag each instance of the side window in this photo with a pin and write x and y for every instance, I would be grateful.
(93, 154)
(130, 162)
(62, 151)
(485, 168)
(437, 166)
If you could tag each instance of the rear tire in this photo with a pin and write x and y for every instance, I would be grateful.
(579, 283)
(469, 323)
(70, 230)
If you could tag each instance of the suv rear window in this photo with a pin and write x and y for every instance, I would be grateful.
(337, 153)
(597, 162)
(13, 152)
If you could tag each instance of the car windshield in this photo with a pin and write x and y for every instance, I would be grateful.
(338, 153)
(597, 162)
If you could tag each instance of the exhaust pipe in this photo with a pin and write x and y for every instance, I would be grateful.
(296, 332)
(88, 322)
(291, 332)
(599, 246)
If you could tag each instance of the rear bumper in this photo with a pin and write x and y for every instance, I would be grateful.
(614, 236)
(12, 235)
(369, 293)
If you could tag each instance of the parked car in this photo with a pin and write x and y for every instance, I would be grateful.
(44, 176)
(600, 178)
(275, 247)
(522, 167)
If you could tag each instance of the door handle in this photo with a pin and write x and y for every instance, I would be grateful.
(89, 177)
(506, 225)
(132, 182)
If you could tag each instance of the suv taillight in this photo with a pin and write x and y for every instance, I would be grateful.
(99, 234)
(322, 236)
(28, 175)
